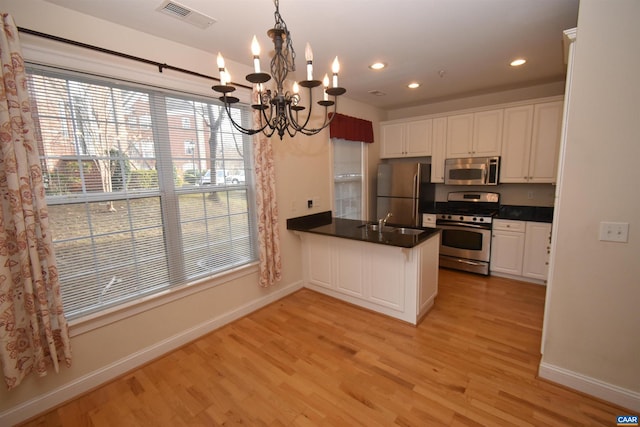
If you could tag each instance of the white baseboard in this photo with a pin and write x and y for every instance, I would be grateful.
(628, 399)
(107, 373)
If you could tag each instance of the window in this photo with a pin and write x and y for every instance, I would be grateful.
(128, 220)
(347, 179)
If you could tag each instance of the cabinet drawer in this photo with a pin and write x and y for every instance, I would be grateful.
(429, 220)
(509, 225)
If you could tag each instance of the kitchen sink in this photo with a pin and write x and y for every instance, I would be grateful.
(391, 229)
(375, 227)
(411, 231)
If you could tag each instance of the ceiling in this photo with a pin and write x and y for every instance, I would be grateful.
(453, 48)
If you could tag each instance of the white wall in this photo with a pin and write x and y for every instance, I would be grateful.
(302, 168)
(592, 319)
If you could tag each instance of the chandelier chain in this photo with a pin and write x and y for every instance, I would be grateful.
(289, 51)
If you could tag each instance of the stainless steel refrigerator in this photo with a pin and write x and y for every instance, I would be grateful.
(404, 190)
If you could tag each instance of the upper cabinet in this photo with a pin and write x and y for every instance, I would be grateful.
(406, 139)
(474, 134)
(525, 134)
(531, 142)
(439, 149)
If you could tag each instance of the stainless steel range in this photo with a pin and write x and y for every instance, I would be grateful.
(465, 220)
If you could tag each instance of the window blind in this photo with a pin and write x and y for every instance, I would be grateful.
(147, 188)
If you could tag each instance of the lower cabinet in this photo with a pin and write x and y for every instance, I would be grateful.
(521, 249)
(391, 280)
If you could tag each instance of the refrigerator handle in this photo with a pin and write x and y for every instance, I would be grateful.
(415, 198)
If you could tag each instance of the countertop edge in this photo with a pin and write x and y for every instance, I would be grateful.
(325, 225)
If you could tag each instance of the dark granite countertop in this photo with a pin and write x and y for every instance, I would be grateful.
(323, 223)
(526, 213)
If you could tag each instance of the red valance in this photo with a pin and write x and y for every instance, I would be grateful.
(351, 128)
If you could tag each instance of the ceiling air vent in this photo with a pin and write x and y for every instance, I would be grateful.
(183, 13)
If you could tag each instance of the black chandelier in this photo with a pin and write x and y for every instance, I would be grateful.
(278, 110)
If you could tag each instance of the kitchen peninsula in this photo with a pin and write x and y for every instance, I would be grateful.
(393, 271)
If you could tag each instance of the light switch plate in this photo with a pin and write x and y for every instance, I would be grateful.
(614, 231)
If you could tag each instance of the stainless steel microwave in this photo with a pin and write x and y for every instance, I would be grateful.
(472, 171)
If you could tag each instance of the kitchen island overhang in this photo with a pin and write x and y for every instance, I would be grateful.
(391, 273)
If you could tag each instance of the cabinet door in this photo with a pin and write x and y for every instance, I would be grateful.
(545, 144)
(386, 276)
(487, 133)
(438, 150)
(507, 250)
(459, 135)
(536, 250)
(419, 139)
(392, 144)
(349, 267)
(318, 253)
(516, 144)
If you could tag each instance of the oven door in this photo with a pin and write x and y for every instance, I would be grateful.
(465, 247)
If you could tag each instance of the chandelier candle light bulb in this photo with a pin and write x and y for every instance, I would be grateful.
(335, 67)
(220, 62)
(308, 55)
(255, 50)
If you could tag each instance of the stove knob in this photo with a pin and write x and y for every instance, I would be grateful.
(449, 217)
(461, 218)
(475, 219)
(481, 219)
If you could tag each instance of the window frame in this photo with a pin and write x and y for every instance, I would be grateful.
(75, 60)
(363, 180)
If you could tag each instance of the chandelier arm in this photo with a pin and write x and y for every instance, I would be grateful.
(263, 115)
(294, 120)
(244, 130)
(326, 122)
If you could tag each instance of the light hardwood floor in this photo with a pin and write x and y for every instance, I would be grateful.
(310, 360)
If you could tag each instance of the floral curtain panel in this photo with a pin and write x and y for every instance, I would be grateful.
(268, 232)
(33, 331)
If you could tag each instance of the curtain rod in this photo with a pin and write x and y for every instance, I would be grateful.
(160, 65)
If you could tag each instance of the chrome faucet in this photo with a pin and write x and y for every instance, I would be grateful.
(382, 222)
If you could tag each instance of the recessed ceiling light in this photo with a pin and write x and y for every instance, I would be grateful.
(413, 85)
(377, 65)
(518, 62)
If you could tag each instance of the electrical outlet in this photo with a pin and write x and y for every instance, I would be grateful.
(530, 195)
(310, 203)
(614, 231)
(316, 202)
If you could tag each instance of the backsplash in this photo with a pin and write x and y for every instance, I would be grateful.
(510, 194)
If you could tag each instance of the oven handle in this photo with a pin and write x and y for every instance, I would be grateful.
(467, 261)
(465, 225)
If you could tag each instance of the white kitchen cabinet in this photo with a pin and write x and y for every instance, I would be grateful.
(531, 142)
(429, 220)
(475, 134)
(537, 248)
(439, 149)
(545, 145)
(406, 139)
(348, 266)
(516, 144)
(399, 282)
(507, 246)
(520, 249)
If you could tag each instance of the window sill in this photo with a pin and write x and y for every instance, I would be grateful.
(115, 314)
